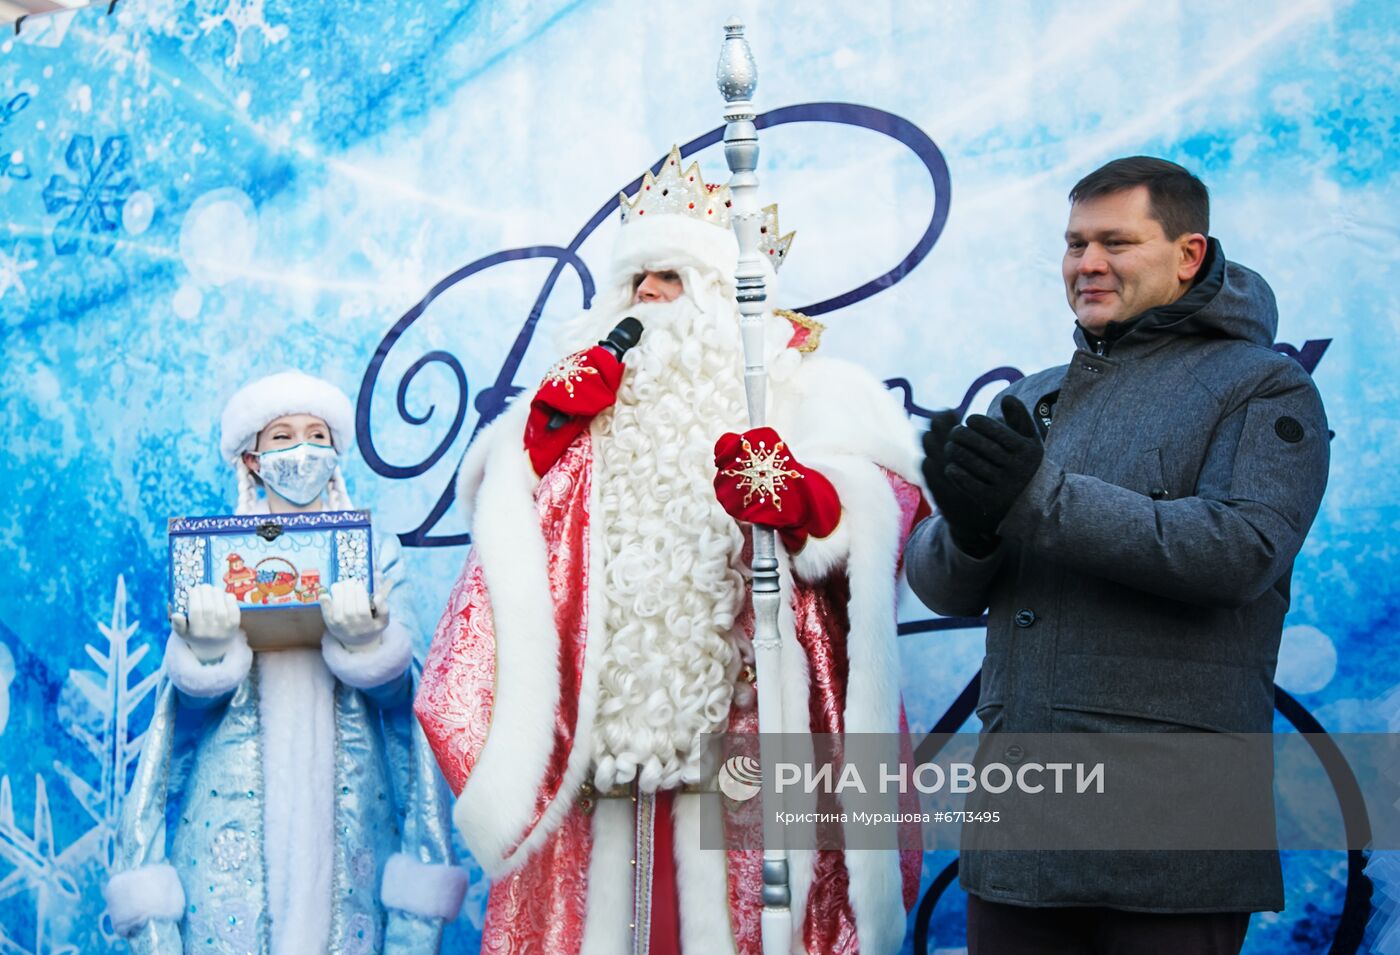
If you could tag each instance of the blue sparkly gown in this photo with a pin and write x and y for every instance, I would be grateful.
(296, 862)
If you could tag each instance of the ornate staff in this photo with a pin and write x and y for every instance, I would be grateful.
(738, 77)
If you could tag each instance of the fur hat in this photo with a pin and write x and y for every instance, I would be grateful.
(259, 402)
(673, 242)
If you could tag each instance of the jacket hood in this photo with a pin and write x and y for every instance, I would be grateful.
(1227, 301)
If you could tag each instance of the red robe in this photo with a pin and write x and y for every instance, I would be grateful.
(508, 692)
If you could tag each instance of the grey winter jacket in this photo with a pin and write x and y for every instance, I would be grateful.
(1143, 575)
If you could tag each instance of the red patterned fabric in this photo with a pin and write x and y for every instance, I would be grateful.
(579, 386)
(541, 906)
(745, 828)
(913, 508)
(758, 481)
(819, 614)
(458, 690)
(829, 927)
(456, 695)
(562, 502)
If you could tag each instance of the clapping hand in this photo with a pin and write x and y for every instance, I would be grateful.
(991, 462)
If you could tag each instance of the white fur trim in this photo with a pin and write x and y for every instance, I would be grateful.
(872, 686)
(207, 680)
(581, 755)
(850, 441)
(702, 878)
(609, 905)
(286, 392)
(864, 546)
(673, 241)
(496, 806)
(433, 891)
(296, 710)
(830, 407)
(820, 556)
(372, 666)
(876, 891)
(509, 427)
(860, 498)
(141, 895)
(835, 417)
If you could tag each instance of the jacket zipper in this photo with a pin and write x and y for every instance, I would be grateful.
(1101, 348)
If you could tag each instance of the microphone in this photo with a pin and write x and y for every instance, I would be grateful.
(624, 337)
(619, 341)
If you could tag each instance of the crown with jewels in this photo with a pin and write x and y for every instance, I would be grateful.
(677, 190)
(772, 244)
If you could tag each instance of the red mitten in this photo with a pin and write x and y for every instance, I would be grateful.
(578, 386)
(758, 481)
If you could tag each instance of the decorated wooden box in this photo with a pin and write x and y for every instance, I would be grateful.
(277, 565)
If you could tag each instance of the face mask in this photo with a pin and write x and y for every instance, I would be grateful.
(299, 474)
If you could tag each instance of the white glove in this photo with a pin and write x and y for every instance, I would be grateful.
(352, 616)
(210, 628)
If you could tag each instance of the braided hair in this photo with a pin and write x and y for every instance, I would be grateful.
(248, 499)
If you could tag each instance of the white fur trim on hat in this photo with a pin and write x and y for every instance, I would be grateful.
(418, 888)
(658, 243)
(369, 667)
(287, 392)
(193, 677)
(138, 896)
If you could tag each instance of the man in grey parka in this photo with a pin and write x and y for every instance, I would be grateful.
(1129, 520)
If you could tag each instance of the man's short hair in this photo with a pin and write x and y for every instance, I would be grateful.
(1178, 200)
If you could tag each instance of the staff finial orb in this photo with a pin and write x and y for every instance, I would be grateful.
(736, 75)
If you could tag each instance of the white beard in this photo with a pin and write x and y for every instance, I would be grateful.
(673, 587)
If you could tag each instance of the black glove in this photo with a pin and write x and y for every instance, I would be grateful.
(992, 462)
(967, 525)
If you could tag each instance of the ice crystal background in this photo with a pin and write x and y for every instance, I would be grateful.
(195, 193)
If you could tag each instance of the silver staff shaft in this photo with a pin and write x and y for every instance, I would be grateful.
(738, 77)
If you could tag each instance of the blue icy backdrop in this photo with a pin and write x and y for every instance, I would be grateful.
(402, 197)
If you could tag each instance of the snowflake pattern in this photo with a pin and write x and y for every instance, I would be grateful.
(230, 849)
(243, 16)
(567, 371)
(762, 472)
(12, 269)
(96, 708)
(232, 923)
(93, 197)
(359, 935)
(9, 164)
(36, 867)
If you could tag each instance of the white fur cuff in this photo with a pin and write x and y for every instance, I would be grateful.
(138, 896)
(431, 891)
(821, 556)
(193, 677)
(367, 669)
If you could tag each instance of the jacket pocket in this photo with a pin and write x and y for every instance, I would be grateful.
(1143, 473)
(992, 696)
(1124, 691)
